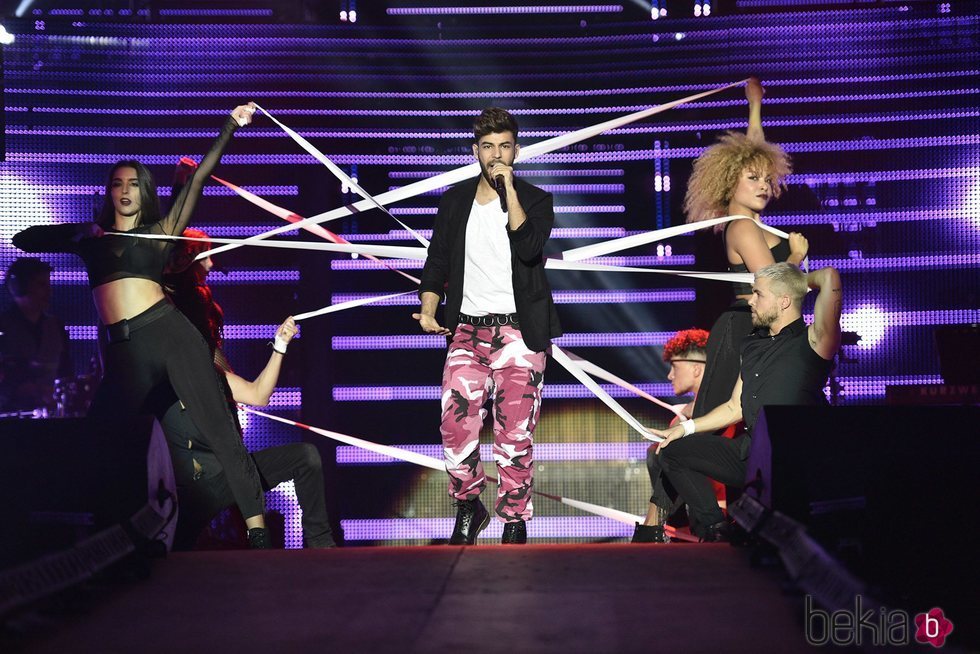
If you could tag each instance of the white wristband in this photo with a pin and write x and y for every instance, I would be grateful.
(279, 345)
(688, 426)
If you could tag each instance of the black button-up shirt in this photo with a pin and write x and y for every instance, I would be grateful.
(781, 369)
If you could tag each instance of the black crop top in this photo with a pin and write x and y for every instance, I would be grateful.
(780, 252)
(116, 257)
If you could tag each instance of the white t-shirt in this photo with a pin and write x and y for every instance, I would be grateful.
(487, 283)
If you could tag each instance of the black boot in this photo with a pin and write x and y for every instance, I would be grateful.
(515, 533)
(649, 534)
(471, 519)
(720, 532)
(259, 538)
(323, 542)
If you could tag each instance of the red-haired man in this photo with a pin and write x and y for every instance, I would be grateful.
(686, 353)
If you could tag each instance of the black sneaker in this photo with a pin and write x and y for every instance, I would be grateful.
(649, 534)
(471, 519)
(515, 533)
(259, 539)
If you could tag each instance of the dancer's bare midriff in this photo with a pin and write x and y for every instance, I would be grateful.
(125, 298)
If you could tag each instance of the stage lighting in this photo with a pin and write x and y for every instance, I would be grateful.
(23, 7)
(6, 38)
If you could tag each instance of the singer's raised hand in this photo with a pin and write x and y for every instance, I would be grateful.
(500, 169)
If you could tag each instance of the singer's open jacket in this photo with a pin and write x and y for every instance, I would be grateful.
(443, 272)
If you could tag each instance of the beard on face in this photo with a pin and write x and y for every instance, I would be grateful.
(764, 319)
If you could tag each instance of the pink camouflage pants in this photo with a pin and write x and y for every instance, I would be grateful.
(484, 361)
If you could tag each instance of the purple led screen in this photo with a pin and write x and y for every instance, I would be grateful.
(877, 106)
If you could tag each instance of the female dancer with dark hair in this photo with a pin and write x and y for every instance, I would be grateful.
(739, 175)
(202, 485)
(151, 345)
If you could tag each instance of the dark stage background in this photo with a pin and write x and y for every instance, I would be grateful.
(876, 102)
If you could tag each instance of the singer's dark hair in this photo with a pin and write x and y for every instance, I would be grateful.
(494, 120)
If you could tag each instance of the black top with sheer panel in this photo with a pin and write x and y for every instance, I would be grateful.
(780, 252)
(112, 256)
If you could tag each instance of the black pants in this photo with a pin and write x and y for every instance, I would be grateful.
(724, 358)
(661, 496)
(156, 354)
(203, 490)
(690, 464)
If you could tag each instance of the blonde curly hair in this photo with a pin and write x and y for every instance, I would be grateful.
(716, 173)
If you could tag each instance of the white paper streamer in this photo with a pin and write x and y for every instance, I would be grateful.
(617, 515)
(471, 170)
(393, 251)
(435, 464)
(604, 511)
(558, 355)
(292, 217)
(605, 375)
(347, 305)
(281, 212)
(564, 140)
(386, 450)
(735, 278)
(339, 174)
(618, 244)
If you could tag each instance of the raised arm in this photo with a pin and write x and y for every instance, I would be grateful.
(529, 238)
(824, 333)
(798, 247)
(258, 391)
(184, 202)
(721, 416)
(754, 93)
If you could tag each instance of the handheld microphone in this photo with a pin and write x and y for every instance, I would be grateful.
(498, 183)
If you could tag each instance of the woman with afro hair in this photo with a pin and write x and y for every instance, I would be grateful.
(738, 176)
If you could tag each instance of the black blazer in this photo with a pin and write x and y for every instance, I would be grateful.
(443, 272)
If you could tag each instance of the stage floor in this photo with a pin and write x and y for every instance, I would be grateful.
(539, 598)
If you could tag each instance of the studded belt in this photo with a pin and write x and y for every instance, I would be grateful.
(490, 320)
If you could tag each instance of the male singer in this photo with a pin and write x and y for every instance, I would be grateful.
(486, 258)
